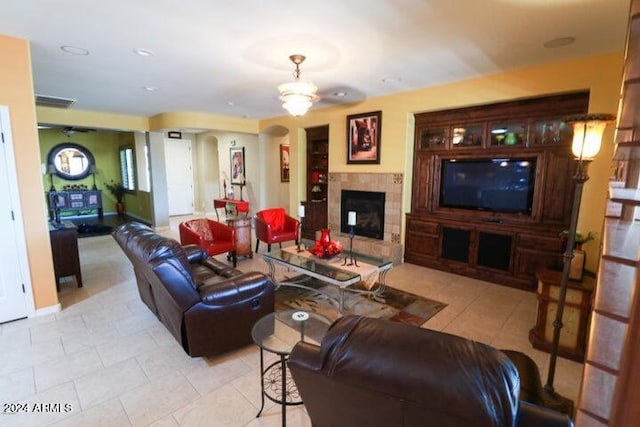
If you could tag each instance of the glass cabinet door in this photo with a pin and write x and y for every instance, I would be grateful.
(508, 134)
(433, 138)
(552, 131)
(467, 136)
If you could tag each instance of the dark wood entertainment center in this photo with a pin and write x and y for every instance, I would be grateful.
(506, 246)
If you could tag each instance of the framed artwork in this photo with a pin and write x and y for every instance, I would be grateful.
(238, 171)
(284, 163)
(363, 138)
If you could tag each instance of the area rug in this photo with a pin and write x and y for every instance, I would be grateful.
(395, 305)
(89, 230)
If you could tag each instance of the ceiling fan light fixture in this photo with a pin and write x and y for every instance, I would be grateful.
(297, 96)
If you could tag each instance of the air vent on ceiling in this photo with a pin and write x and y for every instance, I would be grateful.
(53, 101)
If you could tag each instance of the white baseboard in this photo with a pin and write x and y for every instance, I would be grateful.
(56, 308)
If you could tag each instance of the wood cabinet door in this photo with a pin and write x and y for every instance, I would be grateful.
(558, 188)
(423, 183)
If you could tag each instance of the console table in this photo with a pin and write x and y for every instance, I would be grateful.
(74, 200)
(241, 206)
(64, 249)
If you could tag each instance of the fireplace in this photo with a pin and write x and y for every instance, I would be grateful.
(369, 209)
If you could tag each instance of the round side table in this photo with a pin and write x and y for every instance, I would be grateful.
(278, 333)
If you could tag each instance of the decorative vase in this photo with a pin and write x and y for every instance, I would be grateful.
(576, 270)
(511, 139)
(325, 237)
(120, 208)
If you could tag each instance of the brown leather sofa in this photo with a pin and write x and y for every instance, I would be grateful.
(374, 372)
(208, 306)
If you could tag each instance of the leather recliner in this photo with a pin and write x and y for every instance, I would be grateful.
(208, 306)
(374, 372)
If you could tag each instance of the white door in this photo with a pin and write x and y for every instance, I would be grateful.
(13, 300)
(179, 166)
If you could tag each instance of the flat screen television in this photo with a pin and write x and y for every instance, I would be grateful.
(491, 184)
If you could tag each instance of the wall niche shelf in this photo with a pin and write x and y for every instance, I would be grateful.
(316, 214)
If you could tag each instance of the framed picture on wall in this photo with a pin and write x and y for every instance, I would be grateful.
(238, 171)
(363, 137)
(284, 163)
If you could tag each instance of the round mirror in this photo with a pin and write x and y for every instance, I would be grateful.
(71, 161)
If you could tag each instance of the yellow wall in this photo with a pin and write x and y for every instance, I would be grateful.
(16, 91)
(185, 120)
(600, 74)
(91, 119)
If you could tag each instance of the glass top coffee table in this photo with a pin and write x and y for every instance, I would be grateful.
(278, 333)
(332, 271)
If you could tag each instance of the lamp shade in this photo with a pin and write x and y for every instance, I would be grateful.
(587, 134)
(297, 96)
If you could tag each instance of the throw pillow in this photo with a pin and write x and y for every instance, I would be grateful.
(201, 228)
(274, 217)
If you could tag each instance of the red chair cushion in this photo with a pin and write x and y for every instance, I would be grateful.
(201, 227)
(274, 217)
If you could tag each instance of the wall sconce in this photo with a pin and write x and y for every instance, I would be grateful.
(587, 139)
(93, 171)
(51, 170)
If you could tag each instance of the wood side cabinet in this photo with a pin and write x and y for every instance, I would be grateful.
(242, 225)
(575, 319)
(64, 249)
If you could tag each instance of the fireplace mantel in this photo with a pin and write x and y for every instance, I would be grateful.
(391, 185)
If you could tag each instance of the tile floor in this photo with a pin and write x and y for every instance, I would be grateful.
(107, 361)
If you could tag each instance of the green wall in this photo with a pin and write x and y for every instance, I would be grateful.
(104, 146)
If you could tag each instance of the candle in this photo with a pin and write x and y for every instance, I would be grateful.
(301, 211)
(352, 218)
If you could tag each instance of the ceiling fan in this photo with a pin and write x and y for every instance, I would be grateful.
(70, 130)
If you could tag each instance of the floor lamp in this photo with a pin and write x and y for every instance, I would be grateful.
(587, 138)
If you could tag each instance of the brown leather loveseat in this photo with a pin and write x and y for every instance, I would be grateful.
(374, 372)
(208, 306)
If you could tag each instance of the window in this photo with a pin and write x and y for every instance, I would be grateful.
(127, 168)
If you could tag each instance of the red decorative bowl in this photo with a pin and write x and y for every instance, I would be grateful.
(332, 249)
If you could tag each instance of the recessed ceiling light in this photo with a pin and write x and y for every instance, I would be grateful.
(73, 50)
(143, 52)
(340, 94)
(559, 42)
(391, 80)
(151, 88)
(231, 103)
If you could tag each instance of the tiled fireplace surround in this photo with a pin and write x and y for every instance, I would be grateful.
(391, 185)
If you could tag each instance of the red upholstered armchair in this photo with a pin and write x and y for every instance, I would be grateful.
(275, 226)
(212, 236)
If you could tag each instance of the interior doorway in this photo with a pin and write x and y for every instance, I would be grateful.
(179, 167)
(15, 283)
